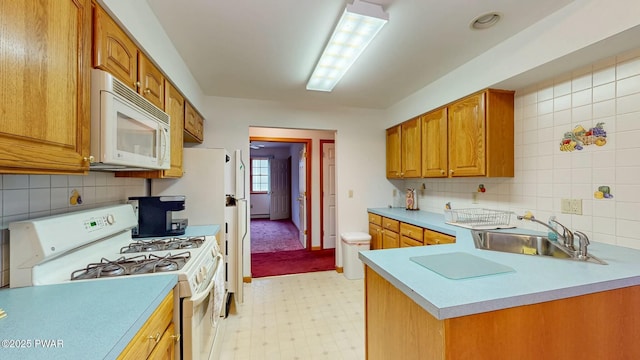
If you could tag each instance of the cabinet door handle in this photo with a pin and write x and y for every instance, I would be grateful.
(442, 171)
(90, 159)
(137, 84)
(451, 171)
(176, 338)
(154, 338)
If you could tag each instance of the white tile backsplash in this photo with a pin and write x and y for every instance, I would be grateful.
(607, 92)
(31, 196)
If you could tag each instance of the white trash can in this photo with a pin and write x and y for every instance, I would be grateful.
(352, 243)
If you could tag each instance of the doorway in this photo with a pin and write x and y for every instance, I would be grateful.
(280, 182)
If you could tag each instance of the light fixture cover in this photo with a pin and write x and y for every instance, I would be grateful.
(359, 24)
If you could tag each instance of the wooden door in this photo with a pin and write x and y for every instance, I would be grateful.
(113, 50)
(280, 182)
(467, 136)
(175, 108)
(45, 48)
(410, 144)
(394, 151)
(434, 143)
(328, 196)
(302, 198)
(151, 81)
(375, 231)
(390, 239)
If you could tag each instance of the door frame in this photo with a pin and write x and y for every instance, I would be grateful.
(322, 144)
(307, 142)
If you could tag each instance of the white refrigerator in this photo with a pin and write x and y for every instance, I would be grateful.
(213, 183)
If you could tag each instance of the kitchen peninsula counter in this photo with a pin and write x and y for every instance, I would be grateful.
(78, 320)
(553, 294)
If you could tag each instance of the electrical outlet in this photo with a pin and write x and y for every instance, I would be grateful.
(571, 206)
(395, 192)
(350, 193)
(576, 206)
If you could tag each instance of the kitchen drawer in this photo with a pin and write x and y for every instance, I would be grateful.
(375, 219)
(149, 335)
(390, 224)
(436, 238)
(407, 241)
(411, 231)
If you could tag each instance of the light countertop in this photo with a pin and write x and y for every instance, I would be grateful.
(78, 320)
(536, 278)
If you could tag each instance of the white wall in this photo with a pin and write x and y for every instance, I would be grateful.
(574, 27)
(360, 150)
(260, 205)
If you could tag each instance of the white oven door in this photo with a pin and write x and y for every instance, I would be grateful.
(201, 315)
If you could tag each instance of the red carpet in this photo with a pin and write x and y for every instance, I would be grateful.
(291, 262)
(273, 235)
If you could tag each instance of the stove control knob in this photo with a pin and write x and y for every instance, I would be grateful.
(198, 278)
(213, 252)
(110, 219)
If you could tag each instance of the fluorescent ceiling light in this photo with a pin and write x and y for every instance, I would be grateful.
(358, 25)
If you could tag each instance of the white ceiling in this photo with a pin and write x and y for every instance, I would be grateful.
(261, 49)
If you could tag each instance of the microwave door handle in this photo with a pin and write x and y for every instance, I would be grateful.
(166, 145)
(198, 298)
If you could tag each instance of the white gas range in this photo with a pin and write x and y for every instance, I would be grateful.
(96, 245)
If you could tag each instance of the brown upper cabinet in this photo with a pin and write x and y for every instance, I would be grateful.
(472, 136)
(481, 135)
(193, 125)
(115, 52)
(403, 150)
(45, 117)
(434, 143)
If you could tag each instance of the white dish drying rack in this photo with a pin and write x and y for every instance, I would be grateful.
(479, 219)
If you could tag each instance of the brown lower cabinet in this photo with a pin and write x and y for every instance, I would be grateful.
(601, 325)
(157, 338)
(388, 233)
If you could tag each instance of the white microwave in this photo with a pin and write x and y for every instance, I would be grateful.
(127, 131)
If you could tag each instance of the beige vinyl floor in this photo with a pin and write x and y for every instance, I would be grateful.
(304, 316)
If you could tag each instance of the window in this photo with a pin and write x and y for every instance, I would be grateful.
(259, 175)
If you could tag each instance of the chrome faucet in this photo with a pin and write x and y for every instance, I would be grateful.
(567, 235)
(583, 242)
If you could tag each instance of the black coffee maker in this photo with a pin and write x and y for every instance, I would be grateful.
(155, 216)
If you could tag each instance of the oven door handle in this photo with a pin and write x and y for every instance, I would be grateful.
(198, 298)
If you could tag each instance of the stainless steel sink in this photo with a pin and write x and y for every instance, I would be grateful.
(525, 244)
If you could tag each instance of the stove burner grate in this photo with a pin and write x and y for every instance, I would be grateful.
(163, 244)
(135, 265)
